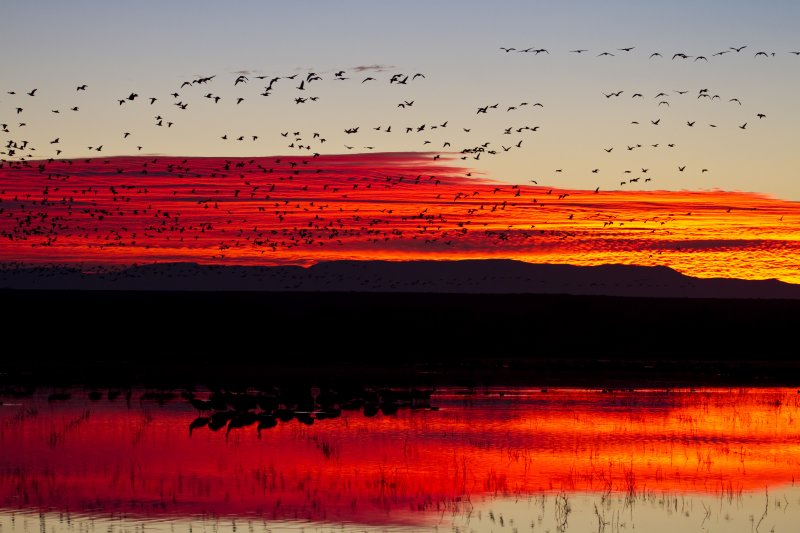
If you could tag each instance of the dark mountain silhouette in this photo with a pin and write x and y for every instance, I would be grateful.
(452, 277)
(397, 323)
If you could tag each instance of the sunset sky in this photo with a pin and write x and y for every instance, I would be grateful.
(711, 134)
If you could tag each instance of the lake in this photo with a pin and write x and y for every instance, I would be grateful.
(445, 459)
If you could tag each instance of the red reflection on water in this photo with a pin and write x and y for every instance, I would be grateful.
(138, 457)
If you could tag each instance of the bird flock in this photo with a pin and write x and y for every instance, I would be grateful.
(653, 55)
(121, 196)
(204, 92)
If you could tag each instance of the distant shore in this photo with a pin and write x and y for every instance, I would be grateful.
(161, 338)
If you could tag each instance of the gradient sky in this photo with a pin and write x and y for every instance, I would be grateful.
(577, 140)
(152, 47)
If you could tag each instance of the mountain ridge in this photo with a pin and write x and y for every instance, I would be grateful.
(470, 276)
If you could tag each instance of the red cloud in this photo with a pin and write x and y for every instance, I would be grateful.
(299, 210)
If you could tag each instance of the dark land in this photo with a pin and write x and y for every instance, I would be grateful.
(136, 331)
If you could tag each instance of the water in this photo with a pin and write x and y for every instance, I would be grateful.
(488, 460)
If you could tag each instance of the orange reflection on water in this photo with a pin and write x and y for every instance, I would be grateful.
(139, 457)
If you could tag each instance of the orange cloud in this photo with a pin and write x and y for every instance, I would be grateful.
(300, 210)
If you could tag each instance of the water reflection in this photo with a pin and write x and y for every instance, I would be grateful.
(264, 409)
(557, 460)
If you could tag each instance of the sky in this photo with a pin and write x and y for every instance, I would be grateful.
(558, 119)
